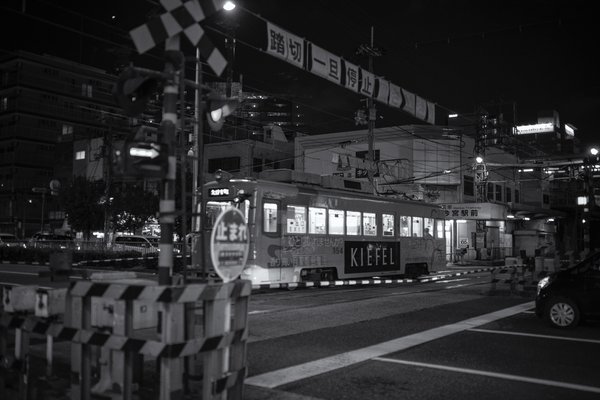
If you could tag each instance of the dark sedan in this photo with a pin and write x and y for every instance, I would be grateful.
(566, 297)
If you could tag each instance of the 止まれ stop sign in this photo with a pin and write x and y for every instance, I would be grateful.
(229, 244)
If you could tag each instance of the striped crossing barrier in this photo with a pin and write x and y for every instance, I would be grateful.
(175, 340)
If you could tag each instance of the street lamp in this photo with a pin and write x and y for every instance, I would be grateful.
(228, 6)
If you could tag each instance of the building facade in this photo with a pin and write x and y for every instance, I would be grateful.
(45, 104)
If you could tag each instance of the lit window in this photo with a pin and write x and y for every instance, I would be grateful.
(80, 155)
(316, 220)
(67, 129)
(369, 224)
(439, 228)
(269, 217)
(387, 224)
(417, 227)
(428, 227)
(353, 223)
(405, 227)
(4, 104)
(86, 90)
(296, 219)
(336, 222)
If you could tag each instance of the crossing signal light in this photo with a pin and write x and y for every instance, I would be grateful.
(141, 160)
(217, 110)
(133, 91)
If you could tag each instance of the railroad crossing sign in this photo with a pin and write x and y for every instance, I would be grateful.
(229, 243)
(181, 16)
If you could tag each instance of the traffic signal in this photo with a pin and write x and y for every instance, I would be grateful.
(217, 110)
(133, 90)
(142, 159)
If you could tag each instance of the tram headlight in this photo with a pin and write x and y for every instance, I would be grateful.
(241, 196)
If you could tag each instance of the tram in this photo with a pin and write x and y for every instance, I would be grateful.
(305, 227)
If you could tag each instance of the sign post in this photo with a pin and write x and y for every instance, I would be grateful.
(229, 243)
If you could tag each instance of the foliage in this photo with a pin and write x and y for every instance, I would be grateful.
(131, 207)
(81, 201)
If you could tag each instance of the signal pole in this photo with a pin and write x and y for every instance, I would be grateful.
(167, 135)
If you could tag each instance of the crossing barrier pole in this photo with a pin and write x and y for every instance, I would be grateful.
(217, 322)
(78, 316)
(238, 350)
(171, 369)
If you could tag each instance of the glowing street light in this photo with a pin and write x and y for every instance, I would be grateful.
(228, 6)
(594, 151)
(479, 159)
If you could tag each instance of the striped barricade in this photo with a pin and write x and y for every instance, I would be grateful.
(175, 342)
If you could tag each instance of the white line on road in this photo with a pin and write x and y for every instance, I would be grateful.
(572, 339)
(564, 385)
(297, 372)
(19, 273)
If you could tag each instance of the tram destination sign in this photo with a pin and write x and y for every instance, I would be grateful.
(371, 256)
(229, 243)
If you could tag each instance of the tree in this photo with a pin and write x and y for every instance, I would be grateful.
(131, 207)
(81, 201)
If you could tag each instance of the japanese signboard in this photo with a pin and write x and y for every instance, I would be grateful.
(285, 45)
(325, 64)
(229, 243)
(486, 211)
(312, 58)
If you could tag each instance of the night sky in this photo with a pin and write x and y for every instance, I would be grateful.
(537, 55)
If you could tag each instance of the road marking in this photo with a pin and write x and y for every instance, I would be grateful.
(572, 339)
(20, 273)
(453, 280)
(294, 373)
(563, 385)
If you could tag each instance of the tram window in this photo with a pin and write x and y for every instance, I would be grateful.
(336, 222)
(369, 224)
(428, 226)
(405, 226)
(439, 228)
(417, 227)
(296, 219)
(270, 217)
(213, 209)
(387, 224)
(316, 220)
(353, 223)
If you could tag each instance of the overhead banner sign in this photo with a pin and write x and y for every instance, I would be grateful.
(312, 58)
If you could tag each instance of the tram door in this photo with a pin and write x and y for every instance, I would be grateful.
(271, 239)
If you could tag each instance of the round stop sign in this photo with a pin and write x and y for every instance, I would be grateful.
(229, 243)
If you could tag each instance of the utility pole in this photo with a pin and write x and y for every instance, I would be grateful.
(481, 175)
(371, 52)
(107, 172)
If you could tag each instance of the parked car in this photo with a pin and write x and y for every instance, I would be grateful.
(9, 240)
(50, 240)
(565, 297)
(139, 243)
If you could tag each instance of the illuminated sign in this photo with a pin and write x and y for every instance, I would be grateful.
(535, 128)
(219, 192)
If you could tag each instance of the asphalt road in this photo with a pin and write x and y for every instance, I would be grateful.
(453, 338)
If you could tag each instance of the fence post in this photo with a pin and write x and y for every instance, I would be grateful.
(171, 369)
(217, 321)
(78, 316)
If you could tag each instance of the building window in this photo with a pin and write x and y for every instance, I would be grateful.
(508, 195)
(80, 155)
(498, 193)
(229, 164)
(86, 90)
(490, 191)
(469, 183)
(67, 129)
(4, 104)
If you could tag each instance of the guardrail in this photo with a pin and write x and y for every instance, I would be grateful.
(101, 315)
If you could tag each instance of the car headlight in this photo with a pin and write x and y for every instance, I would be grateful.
(543, 283)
